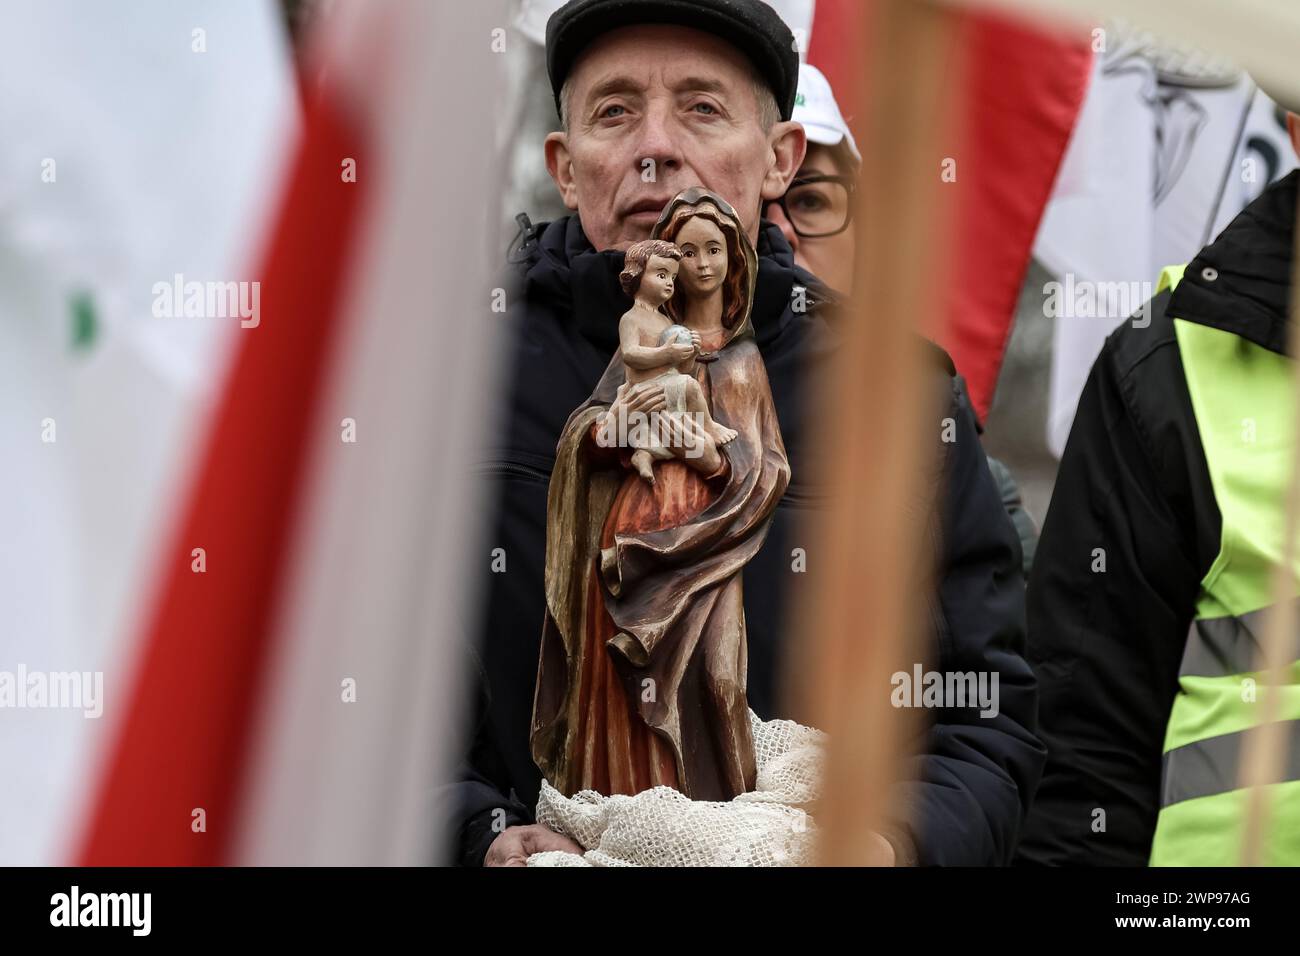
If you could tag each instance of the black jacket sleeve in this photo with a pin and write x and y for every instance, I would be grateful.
(475, 805)
(974, 775)
(1111, 597)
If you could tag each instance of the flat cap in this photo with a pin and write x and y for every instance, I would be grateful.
(751, 26)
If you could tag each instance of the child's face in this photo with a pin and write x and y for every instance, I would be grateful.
(658, 280)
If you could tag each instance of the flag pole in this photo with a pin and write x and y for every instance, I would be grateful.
(860, 618)
(1264, 751)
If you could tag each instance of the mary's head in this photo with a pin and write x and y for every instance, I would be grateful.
(716, 253)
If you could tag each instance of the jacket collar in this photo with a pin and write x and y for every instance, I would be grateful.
(1241, 283)
(559, 263)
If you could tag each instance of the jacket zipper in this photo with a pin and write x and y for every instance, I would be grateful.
(515, 469)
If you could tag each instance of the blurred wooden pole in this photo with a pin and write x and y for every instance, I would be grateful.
(880, 423)
(1263, 759)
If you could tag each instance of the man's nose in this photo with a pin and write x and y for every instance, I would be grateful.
(775, 214)
(657, 149)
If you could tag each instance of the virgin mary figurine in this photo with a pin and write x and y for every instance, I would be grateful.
(641, 680)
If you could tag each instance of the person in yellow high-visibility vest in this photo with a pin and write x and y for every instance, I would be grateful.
(1155, 564)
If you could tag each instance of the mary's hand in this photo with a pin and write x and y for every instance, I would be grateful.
(644, 398)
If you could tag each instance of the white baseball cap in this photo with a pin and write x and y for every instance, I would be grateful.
(816, 109)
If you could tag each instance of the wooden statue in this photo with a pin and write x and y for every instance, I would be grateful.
(641, 680)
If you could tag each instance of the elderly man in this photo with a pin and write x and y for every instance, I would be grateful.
(656, 96)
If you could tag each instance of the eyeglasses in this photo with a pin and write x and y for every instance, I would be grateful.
(818, 206)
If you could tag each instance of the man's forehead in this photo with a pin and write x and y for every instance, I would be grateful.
(638, 57)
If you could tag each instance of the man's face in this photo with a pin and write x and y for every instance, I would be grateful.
(654, 110)
(829, 258)
(658, 279)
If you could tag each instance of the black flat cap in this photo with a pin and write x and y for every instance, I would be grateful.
(751, 26)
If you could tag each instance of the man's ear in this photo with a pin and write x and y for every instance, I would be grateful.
(1293, 127)
(788, 143)
(560, 165)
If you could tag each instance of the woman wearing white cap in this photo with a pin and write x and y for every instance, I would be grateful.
(816, 213)
(816, 217)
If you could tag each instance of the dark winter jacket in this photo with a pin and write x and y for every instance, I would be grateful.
(1134, 483)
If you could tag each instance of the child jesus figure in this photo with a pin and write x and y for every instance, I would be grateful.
(654, 349)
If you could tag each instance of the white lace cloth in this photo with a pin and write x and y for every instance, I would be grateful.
(661, 827)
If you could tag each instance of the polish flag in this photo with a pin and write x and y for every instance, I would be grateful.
(293, 689)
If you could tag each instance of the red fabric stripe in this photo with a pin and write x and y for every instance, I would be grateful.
(1022, 90)
(834, 48)
(185, 741)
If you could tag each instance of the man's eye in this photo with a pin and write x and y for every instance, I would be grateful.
(710, 109)
(609, 113)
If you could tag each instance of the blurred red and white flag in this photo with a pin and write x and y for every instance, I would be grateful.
(292, 700)
(141, 143)
(1020, 84)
